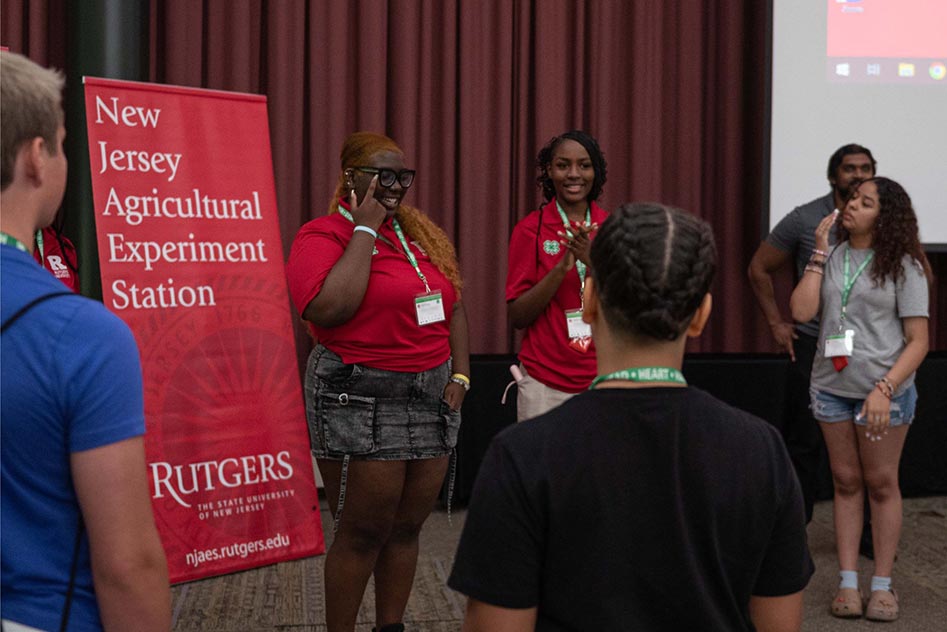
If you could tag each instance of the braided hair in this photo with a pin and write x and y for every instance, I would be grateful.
(652, 265)
(358, 149)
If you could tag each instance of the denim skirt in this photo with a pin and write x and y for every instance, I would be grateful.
(361, 412)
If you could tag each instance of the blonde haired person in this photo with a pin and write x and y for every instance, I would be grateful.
(79, 545)
(379, 284)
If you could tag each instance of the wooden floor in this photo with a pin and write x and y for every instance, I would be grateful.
(289, 596)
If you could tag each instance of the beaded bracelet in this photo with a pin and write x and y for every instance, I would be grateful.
(810, 267)
(886, 387)
(881, 388)
(816, 251)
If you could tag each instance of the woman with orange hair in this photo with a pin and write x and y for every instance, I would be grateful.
(379, 284)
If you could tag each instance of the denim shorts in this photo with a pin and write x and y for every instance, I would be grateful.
(833, 408)
(366, 413)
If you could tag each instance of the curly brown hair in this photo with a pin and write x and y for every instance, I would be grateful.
(358, 149)
(894, 234)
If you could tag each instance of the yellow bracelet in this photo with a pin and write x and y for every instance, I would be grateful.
(463, 378)
(464, 384)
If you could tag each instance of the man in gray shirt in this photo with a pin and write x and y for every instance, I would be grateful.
(793, 239)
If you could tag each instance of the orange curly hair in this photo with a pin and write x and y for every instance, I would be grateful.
(358, 149)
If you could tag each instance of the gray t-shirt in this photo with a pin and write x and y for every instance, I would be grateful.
(795, 234)
(874, 313)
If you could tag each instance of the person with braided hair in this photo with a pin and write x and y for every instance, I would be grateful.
(871, 294)
(664, 509)
(548, 258)
(379, 284)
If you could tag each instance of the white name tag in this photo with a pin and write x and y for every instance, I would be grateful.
(577, 327)
(840, 345)
(430, 308)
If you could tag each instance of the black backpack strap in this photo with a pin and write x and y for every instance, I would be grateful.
(79, 529)
(72, 576)
(36, 301)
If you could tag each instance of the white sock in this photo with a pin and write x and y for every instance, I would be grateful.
(880, 583)
(849, 579)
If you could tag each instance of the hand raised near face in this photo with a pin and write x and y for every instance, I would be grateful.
(823, 230)
(370, 212)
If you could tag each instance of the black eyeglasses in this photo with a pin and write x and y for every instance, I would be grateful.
(387, 177)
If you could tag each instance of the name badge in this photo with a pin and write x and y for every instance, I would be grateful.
(430, 308)
(841, 345)
(577, 327)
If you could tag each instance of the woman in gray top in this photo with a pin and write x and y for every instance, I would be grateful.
(871, 295)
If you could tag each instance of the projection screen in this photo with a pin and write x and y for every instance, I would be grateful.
(865, 71)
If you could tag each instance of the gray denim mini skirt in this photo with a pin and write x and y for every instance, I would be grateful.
(360, 412)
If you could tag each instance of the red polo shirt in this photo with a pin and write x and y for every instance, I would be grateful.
(384, 332)
(58, 258)
(545, 351)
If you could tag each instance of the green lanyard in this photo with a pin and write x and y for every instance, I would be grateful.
(39, 243)
(407, 251)
(344, 213)
(580, 267)
(847, 282)
(410, 255)
(643, 374)
(13, 241)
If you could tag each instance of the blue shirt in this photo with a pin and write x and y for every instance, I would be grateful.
(70, 381)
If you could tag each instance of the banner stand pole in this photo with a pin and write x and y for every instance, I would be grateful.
(109, 39)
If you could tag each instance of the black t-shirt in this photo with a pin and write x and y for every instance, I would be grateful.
(644, 509)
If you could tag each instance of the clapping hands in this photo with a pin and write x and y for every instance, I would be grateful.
(578, 243)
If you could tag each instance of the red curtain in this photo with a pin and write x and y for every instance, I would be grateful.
(471, 89)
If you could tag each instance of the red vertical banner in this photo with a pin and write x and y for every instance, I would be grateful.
(191, 260)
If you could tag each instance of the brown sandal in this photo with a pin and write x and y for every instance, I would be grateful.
(882, 606)
(847, 604)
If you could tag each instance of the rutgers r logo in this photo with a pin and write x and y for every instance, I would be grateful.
(55, 263)
(57, 267)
